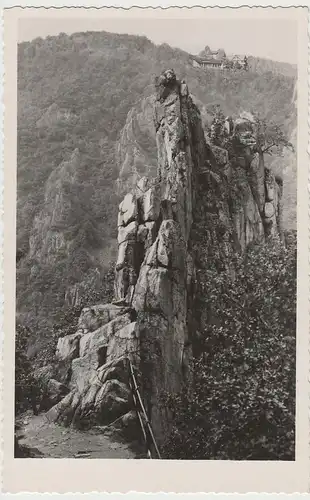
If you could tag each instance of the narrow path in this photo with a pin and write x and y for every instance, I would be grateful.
(55, 441)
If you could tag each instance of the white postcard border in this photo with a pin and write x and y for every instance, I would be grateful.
(43, 475)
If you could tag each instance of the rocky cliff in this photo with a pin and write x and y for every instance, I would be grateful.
(136, 149)
(108, 119)
(286, 165)
(202, 199)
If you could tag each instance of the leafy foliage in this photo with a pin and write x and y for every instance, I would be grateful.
(260, 65)
(267, 137)
(270, 137)
(26, 387)
(241, 406)
(66, 320)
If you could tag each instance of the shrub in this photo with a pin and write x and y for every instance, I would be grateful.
(27, 389)
(241, 405)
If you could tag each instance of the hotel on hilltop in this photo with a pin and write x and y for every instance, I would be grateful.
(218, 59)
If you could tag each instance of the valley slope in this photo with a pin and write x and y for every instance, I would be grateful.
(85, 135)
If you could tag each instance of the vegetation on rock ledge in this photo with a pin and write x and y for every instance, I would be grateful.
(241, 405)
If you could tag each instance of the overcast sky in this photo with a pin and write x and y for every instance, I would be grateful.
(272, 39)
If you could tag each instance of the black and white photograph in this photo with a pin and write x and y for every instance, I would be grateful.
(156, 238)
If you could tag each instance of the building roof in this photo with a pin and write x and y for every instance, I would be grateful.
(207, 52)
(207, 60)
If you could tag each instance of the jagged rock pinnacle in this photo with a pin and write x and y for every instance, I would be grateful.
(153, 316)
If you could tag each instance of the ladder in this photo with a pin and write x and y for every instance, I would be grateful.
(144, 422)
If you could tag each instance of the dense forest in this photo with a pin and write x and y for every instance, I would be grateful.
(76, 95)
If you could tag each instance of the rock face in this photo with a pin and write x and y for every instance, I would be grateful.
(156, 276)
(287, 166)
(199, 200)
(55, 392)
(136, 151)
(98, 358)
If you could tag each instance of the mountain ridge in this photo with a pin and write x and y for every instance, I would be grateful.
(79, 93)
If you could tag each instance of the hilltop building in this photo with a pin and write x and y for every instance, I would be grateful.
(209, 58)
(218, 59)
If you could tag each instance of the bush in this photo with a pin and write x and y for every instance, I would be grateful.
(241, 405)
(27, 390)
(67, 320)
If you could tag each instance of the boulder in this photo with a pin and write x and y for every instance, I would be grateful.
(110, 407)
(88, 378)
(94, 317)
(64, 410)
(68, 347)
(54, 392)
(56, 388)
(94, 340)
(84, 371)
(117, 394)
(98, 397)
(127, 426)
(117, 369)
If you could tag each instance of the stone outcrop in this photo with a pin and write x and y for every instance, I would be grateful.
(157, 267)
(153, 271)
(54, 392)
(199, 201)
(263, 205)
(286, 165)
(255, 192)
(97, 355)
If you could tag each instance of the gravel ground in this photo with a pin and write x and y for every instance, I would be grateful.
(50, 440)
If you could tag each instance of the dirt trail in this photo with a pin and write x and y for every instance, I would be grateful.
(55, 441)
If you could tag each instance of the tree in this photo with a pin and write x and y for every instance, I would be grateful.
(241, 405)
(262, 135)
(270, 137)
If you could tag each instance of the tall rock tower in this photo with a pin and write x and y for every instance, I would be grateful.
(155, 269)
(198, 200)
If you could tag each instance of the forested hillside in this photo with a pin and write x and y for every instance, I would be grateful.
(76, 96)
(261, 65)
